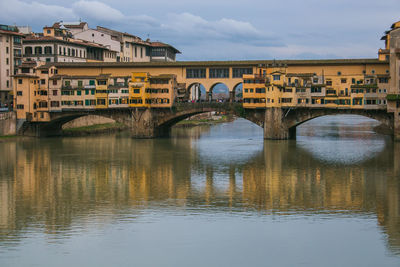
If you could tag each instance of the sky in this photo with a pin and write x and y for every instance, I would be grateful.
(228, 29)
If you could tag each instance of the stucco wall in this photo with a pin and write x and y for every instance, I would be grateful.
(8, 123)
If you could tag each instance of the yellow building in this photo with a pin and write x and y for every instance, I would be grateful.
(139, 95)
(324, 83)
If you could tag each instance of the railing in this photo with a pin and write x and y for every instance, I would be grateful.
(236, 108)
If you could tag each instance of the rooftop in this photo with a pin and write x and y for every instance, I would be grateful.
(33, 38)
(239, 63)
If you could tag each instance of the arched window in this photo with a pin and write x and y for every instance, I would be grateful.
(28, 50)
(48, 50)
(38, 50)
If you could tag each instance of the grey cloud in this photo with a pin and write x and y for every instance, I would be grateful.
(189, 28)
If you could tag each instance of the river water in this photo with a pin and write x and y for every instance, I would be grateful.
(208, 196)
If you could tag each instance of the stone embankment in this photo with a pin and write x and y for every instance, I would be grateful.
(8, 123)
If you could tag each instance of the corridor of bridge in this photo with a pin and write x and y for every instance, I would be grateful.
(216, 92)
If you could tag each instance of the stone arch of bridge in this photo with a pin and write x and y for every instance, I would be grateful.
(54, 126)
(166, 121)
(294, 118)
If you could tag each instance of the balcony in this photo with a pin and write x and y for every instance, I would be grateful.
(118, 86)
(362, 86)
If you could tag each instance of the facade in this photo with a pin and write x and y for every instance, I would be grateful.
(394, 89)
(102, 38)
(40, 90)
(10, 59)
(347, 86)
(134, 49)
(57, 45)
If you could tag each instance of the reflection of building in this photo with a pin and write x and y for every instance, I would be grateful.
(62, 181)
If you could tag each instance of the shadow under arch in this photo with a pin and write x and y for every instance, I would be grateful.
(297, 117)
(55, 126)
(199, 108)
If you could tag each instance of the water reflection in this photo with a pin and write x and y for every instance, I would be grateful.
(62, 186)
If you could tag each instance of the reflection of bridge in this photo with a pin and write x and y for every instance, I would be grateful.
(278, 123)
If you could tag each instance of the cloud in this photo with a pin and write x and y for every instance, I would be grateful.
(97, 11)
(31, 12)
(189, 28)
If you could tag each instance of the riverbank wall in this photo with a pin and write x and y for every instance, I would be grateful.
(8, 123)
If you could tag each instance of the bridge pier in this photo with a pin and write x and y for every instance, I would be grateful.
(396, 126)
(275, 127)
(40, 129)
(143, 124)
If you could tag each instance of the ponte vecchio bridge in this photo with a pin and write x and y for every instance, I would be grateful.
(277, 95)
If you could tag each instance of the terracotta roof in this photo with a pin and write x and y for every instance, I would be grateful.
(32, 39)
(11, 33)
(66, 25)
(238, 63)
(160, 44)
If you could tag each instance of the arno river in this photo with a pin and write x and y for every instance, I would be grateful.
(207, 196)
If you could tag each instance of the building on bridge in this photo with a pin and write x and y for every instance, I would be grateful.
(281, 94)
(362, 86)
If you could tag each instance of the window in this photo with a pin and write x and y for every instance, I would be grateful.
(78, 92)
(67, 83)
(196, 73)
(20, 106)
(127, 45)
(80, 83)
(91, 82)
(329, 83)
(54, 92)
(19, 93)
(49, 31)
(54, 82)
(101, 101)
(92, 92)
(238, 72)
(8, 83)
(276, 77)
(136, 91)
(339, 73)
(38, 50)
(42, 81)
(54, 104)
(7, 61)
(19, 81)
(343, 80)
(141, 52)
(102, 82)
(219, 73)
(7, 50)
